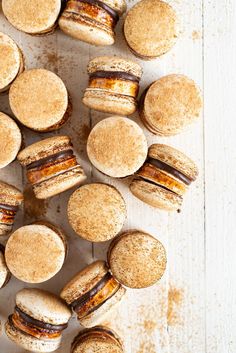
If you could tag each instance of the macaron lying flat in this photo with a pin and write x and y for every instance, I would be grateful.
(40, 101)
(51, 166)
(92, 293)
(113, 85)
(92, 21)
(4, 272)
(35, 253)
(10, 140)
(12, 62)
(36, 17)
(38, 320)
(10, 200)
(137, 259)
(97, 339)
(164, 178)
(150, 29)
(170, 104)
(96, 212)
(117, 147)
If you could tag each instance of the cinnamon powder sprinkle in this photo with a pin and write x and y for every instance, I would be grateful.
(175, 302)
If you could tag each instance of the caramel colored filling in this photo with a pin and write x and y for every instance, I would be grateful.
(7, 214)
(124, 87)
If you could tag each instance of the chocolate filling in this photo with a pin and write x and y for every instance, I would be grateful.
(50, 159)
(105, 7)
(115, 74)
(9, 207)
(171, 170)
(37, 323)
(2, 249)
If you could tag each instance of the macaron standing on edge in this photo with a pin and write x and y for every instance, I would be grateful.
(38, 320)
(92, 293)
(150, 29)
(5, 274)
(10, 200)
(92, 21)
(117, 147)
(113, 85)
(36, 17)
(164, 178)
(40, 101)
(51, 166)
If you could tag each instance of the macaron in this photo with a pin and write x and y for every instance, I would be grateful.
(38, 320)
(113, 85)
(4, 272)
(10, 200)
(51, 166)
(10, 140)
(12, 62)
(164, 178)
(137, 259)
(150, 29)
(117, 147)
(170, 104)
(92, 293)
(97, 339)
(36, 17)
(35, 253)
(40, 101)
(96, 212)
(92, 21)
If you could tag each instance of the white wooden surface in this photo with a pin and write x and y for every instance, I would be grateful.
(193, 308)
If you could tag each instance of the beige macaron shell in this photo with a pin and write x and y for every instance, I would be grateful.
(38, 99)
(3, 270)
(97, 212)
(97, 345)
(10, 195)
(174, 158)
(10, 59)
(150, 28)
(137, 259)
(10, 140)
(29, 265)
(117, 147)
(118, 5)
(31, 343)
(30, 16)
(43, 306)
(114, 64)
(172, 103)
(84, 281)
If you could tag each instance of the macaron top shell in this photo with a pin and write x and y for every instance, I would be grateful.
(10, 194)
(38, 99)
(118, 5)
(114, 64)
(84, 281)
(97, 212)
(43, 306)
(10, 59)
(117, 147)
(150, 28)
(171, 103)
(4, 273)
(137, 259)
(10, 140)
(31, 16)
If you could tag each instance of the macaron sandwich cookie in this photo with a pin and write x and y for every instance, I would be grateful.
(10, 140)
(170, 104)
(113, 85)
(36, 17)
(92, 21)
(117, 147)
(40, 101)
(35, 253)
(10, 200)
(4, 272)
(150, 29)
(137, 259)
(38, 320)
(12, 62)
(51, 166)
(92, 293)
(164, 178)
(97, 339)
(97, 212)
